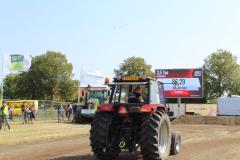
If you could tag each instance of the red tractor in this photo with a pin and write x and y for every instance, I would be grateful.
(136, 117)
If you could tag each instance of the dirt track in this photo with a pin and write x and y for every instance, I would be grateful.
(200, 142)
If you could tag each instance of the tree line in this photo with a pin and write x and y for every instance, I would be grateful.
(50, 77)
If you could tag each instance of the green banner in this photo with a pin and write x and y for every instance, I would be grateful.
(17, 62)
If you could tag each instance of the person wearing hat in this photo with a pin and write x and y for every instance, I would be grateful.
(4, 115)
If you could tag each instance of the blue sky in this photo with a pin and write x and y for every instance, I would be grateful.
(99, 34)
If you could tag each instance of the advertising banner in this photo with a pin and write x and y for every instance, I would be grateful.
(17, 105)
(181, 83)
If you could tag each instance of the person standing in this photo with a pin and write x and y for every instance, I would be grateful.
(74, 108)
(69, 110)
(24, 113)
(97, 104)
(4, 116)
(31, 115)
(1, 118)
(11, 112)
(60, 113)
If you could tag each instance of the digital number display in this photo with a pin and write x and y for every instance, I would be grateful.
(180, 81)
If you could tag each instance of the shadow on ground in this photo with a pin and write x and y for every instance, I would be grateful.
(84, 157)
(124, 156)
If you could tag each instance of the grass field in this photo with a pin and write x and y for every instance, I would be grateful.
(39, 131)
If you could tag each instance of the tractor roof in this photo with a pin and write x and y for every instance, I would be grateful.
(134, 79)
(127, 83)
(131, 80)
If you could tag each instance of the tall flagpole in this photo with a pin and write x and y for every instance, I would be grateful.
(79, 89)
(2, 82)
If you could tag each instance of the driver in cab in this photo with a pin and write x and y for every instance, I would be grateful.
(136, 95)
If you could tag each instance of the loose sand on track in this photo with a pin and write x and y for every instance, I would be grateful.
(200, 142)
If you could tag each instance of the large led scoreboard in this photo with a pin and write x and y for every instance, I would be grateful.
(181, 83)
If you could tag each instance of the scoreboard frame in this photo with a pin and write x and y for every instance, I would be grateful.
(178, 72)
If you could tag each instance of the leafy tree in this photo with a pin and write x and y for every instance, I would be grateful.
(10, 87)
(134, 66)
(68, 89)
(50, 77)
(235, 89)
(220, 71)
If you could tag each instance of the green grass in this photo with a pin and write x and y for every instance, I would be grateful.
(39, 131)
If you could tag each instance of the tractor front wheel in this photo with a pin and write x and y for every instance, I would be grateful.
(175, 143)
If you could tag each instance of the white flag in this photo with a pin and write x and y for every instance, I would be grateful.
(15, 63)
(93, 78)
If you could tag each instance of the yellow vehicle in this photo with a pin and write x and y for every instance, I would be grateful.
(17, 105)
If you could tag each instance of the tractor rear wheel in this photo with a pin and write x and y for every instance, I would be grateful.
(155, 136)
(101, 135)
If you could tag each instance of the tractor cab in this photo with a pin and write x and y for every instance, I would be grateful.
(149, 89)
(93, 98)
(96, 97)
(136, 94)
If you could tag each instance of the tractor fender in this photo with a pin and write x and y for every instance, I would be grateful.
(151, 108)
(105, 108)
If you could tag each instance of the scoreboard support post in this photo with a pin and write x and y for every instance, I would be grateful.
(179, 106)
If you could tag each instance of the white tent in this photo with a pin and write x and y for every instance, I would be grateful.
(229, 106)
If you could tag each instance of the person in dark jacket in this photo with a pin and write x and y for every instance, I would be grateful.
(24, 113)
(31, 115)
(136, 95)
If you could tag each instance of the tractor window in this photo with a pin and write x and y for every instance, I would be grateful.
(124, 94)
(106, 96)
(121, 93)
(101, 95)
(116, 93)
(161, 93)
(154, 93)
(96, 95)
